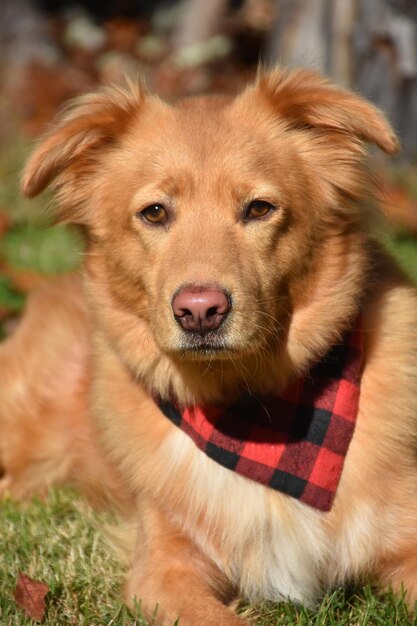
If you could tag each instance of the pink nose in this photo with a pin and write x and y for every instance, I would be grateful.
(200, 309)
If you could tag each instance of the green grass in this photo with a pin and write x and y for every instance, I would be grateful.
(31, 245)
(9, 296)
(40, 249)
(58, 541)
(363, 608)
(403, 248)
(14, 150)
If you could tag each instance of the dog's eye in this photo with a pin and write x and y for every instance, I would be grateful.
(258, 209)
(154, 214)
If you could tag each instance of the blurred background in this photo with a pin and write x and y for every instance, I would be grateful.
(51, 51)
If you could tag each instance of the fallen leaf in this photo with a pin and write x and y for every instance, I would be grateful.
(30, 596)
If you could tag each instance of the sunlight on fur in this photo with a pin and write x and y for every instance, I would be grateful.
(228, 251)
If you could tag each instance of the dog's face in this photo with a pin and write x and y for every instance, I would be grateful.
(198, 203)
(207, 217)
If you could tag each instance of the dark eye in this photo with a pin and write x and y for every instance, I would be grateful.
(154, 214)
(258, 209)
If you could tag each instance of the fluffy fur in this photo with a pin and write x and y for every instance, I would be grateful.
(297, 277)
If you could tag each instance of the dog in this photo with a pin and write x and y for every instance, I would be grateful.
(236, 366)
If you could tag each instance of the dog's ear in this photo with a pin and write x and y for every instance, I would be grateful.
(308, 100)
(330, 129)
(78, 136)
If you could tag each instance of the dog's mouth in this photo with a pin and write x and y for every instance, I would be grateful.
(212, 344)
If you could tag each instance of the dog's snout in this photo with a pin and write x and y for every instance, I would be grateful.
(201, 309)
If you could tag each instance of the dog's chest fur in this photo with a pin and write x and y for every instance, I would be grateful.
(271, 545)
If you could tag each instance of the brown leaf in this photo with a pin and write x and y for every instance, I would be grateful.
(30, 596)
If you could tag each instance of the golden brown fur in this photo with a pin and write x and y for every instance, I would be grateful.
(297, 278)
(45, 424)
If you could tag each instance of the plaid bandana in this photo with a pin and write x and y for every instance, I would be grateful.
(296, 442)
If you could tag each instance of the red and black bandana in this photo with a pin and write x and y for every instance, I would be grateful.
(296, 442)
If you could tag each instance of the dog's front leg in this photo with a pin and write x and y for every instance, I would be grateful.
(171, 579)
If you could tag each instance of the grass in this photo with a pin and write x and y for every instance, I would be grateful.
(31, 245)
(403, 248)
(36, 248)
(58, 541)
(9, 296)
(15, 148)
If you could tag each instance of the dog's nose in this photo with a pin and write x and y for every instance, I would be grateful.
(201, 309)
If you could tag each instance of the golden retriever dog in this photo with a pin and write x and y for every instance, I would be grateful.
(238, 368)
